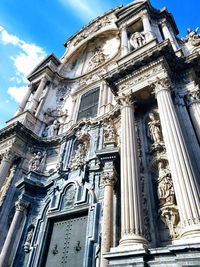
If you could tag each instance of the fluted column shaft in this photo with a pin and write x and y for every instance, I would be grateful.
(37, 94)
(8, 246)
(186, 188)
(124, 41)
(5, 166)
(109, 180)
(168, 35)
(147, 26)
(193, 101)
(24, 101)
(131, 206)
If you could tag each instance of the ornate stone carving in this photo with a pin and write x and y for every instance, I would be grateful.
(8, 155)
(37, 162)
(62, 93)
(78, 159)
(105, 21)
(109, 179)
(110, 133)
(193, 37)
(140, 77)
(52, 129)
(125, 100)
(96, 59)
(160, 84)
(166, 195)
(29, 238)
(69, 197)
(137, 40)
(154, 129)
(21, 206)
(193, 96)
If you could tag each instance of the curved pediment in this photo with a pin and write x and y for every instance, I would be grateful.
(92, 54)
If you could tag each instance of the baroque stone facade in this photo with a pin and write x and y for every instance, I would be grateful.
(100, 164)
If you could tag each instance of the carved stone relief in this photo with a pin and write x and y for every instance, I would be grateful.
(37, 162)
(29, 238)
(69, 197)
(110, 133)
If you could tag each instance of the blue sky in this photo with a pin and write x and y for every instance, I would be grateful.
(31, 29)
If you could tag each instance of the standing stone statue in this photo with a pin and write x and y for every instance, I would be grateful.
(137, 39)
(28, 240)
(52, 129)
(154, 129)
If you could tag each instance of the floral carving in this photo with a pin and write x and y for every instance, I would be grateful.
(109, 179)
(69, 197)
(110, 133)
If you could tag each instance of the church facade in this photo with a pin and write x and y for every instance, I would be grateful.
(100, 164)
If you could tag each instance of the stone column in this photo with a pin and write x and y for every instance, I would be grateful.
(37, 94)
(24, 101)
(109, 180)
(193, 102)
(168, 35)
(184, 180)
(147, 26)
(8, 247)
(104, 96)
(5, 166)
(124, 41)
(131, 202)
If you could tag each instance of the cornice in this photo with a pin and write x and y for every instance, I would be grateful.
(18, 129)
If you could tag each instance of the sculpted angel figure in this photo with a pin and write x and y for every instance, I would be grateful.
(154, 128)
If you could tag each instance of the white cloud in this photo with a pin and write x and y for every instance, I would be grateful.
(17, 93)
(28, 56)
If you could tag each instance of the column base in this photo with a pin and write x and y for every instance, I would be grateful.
(190, 231)
(133, 241)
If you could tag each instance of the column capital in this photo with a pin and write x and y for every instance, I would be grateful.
(8, 155)
(144, 13)
(21, 206)
(109, 179)
(193, 96)
(163, 22)
(123, 26)
(161, 84)
(125, 100)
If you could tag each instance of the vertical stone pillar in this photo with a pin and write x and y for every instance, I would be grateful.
(103, 98)
(168, 35)
(37, 94)
(147, 26)
(184, 180)
(124, 41)
(5, 166)
(24, 100)
(193, 102)
(8, 247)
(131, 202)
(109, 180)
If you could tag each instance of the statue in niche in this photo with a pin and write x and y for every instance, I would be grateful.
(52, 129)
(37, 162)
(166, 193)
(78, 158)
(137, 39)
(70, 197)
(193, 37)
(154, 129)
(96, 59)
(29, 237)
(110, 134)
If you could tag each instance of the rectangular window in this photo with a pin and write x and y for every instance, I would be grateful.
(89, 104)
